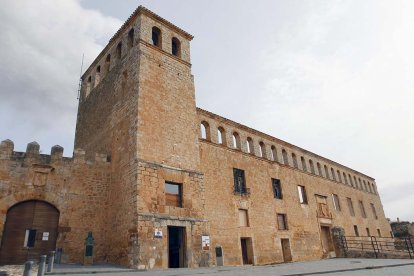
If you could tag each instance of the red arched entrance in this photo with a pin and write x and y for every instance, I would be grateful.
(30, 231)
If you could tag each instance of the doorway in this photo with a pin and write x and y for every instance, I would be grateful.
(176, 247)
(327, 245)
(287, 254)
(247, 250)
(30, 230)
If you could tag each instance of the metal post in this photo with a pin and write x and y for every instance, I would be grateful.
(42, 264)
(408, 247)
(50, 261)
(28, 268)
(373, 247)
(4, 273)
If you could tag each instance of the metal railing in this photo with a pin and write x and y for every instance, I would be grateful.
(379, 246)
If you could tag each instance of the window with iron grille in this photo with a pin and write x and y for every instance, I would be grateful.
(277, 188)
(239, 181)
(282, 222)
(374, 212)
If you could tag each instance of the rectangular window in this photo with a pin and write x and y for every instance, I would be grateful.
(368, 233)
(277, 188)
(239, 181)
(282, 222)
(173, 194)
(302, 195)
(350, 206)
(243, 218)
(30, 237)
(336, 203)
(379, 233)
(374, 212)
(356, 230)
(362, 209)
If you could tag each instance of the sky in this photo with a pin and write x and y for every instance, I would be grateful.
(333, 77)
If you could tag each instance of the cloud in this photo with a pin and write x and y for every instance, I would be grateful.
(339, 82)
(42, 46)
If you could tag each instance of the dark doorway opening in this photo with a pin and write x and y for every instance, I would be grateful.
(30, 230)
(327, 244)
(287, 254)
(247, 250)
(176, 247)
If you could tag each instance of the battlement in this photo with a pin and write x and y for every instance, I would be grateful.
(33, 155)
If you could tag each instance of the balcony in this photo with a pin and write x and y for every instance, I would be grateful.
(242, 191)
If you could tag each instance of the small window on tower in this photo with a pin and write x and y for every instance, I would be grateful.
(173, 194)
(176, 47)
(156, 37)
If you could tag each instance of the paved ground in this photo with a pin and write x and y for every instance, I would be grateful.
(340, 267)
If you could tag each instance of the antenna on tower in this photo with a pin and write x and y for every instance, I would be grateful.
(80, 79)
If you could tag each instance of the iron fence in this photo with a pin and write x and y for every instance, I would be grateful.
(378, 246)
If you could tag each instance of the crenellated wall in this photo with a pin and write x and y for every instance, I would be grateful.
(76, 187)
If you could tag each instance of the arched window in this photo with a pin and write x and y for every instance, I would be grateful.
(119, 50)
(88, 86)
(131, 38)
(285, 157)
(312, 168)
(346, 180)
(365, 185)
(249, 145)
(355, 182)
(205, 130)
(318, 165)
(350, 180)
(326, 171)
(294, 160)
(274, 153)
(97, 75)
(156, 37)
(262, 149)
(369, 187)
(333, 174)
(176, 47)
(374, 188)
(302, 160)
(339, 176)
(236, 140)
(107, 63)
(221, 136)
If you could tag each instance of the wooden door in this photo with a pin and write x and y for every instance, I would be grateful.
(30, 231)
(287, 254)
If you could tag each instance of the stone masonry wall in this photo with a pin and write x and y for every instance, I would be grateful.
(75, 187)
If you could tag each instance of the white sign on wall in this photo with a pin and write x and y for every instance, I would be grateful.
(205, 242)
(157, 233)
(45, 236)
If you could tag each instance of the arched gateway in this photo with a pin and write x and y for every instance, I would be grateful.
(30, 231)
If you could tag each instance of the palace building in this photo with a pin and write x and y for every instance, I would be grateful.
(161, 183)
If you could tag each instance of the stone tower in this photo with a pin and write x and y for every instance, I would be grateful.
(137, 105)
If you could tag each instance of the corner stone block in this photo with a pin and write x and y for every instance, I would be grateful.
(79, 156)
(6, 149)
(32, 149)
(56, 152)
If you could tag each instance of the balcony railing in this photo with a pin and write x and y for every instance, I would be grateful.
(242, 191)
